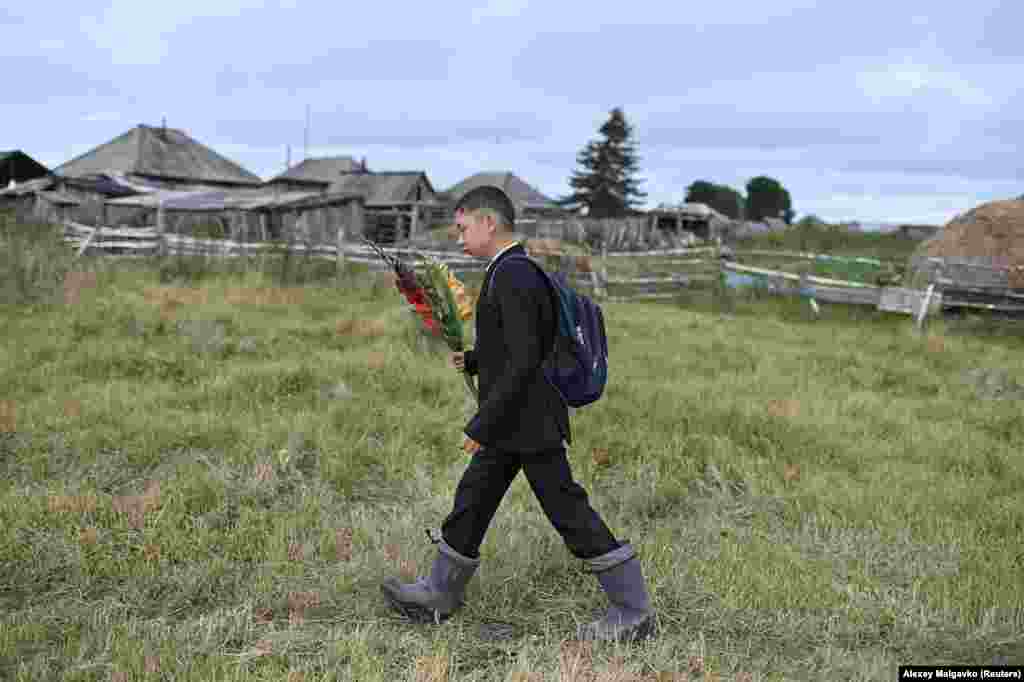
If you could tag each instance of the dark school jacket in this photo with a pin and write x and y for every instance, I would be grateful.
(519, 410)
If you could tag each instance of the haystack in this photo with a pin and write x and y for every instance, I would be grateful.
(991, 235)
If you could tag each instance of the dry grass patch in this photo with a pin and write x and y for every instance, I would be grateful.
(406, 567)
(298, 602)
(75, 504)
(343, 544)
(74, 282)
(72, 408)
(936, 344)
(376, 360)
(151, 552)
(264, 472)
(8, 416)
(265, 296)
(88, 536)
(784, 408)
(527, 677)
(176, 296)
(432, 669)
(135, 507)
(364, 328)
(576, 661)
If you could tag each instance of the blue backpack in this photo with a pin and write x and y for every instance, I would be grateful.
(577, 365)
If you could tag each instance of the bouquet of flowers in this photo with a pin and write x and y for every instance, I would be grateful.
(438, 297)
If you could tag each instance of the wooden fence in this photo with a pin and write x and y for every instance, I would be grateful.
(690, 267)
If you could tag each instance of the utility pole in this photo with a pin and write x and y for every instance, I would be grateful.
(305, 138)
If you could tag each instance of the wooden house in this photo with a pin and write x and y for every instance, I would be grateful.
(531, 205)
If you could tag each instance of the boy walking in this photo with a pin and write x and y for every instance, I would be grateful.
(522, 423)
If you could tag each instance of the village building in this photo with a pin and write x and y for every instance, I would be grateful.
(700, 220)
(398, 204)
(16, 167)
(317, 173)
(530, 203)
(141, 161)
(159, 157)
(163, 178)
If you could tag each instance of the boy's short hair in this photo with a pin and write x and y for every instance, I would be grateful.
(490, 198)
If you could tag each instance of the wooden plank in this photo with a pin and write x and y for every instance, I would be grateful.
(664, 252)
(899, 300)
(982, 291)
(139, 232)
(137, 245)
(85, 244)
(627, 299)
(794, 277)
(906, 301)
(815, 256)
(648, 280)
(843, 295)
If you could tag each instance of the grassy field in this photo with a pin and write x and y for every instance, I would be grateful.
(209, 481)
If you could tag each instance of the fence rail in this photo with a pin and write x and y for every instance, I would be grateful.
(951, 288)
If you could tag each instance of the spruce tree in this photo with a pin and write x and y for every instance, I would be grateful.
(607, 185)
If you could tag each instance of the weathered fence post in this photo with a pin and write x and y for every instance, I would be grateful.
(354, 225)
(924, 306)
(804, 281)
(88, 240)
(161, 244)
(602, 280)
(340, 239)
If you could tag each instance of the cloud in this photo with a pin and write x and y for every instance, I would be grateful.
(1005, 166)
(51, 79)
(355, 129)
(102, 116)
(498, 9)
(755, 132)
(908, 79)
(352, 64)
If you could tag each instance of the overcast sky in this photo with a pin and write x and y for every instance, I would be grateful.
(906, 111)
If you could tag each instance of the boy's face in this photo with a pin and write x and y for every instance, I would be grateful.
(476, 232)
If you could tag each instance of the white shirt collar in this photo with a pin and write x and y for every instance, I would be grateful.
(493, 260)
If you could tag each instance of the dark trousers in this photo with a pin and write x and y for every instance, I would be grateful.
(488, 477)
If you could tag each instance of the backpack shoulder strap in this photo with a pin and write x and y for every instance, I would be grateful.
(490, 290)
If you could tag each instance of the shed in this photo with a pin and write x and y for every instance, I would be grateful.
(397, 202)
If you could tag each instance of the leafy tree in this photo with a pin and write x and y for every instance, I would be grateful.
(722, 198)
(810, 220)
(767, 198)
(607, 185)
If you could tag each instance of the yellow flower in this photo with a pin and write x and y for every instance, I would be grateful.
(461, 297)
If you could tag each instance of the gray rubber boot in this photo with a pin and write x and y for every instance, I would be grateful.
(630, 616)
(439, 595)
